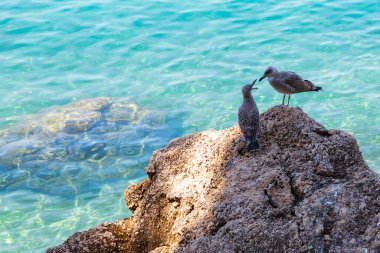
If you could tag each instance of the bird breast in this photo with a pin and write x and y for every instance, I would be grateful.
(249, 108)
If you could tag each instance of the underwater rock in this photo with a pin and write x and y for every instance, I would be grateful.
(306, 190)
(86, 134)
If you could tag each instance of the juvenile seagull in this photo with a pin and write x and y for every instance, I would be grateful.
(249, 118)
(287, 82)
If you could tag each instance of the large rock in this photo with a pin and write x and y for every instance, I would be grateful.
(306, 190)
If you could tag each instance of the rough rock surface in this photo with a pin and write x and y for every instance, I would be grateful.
(306, 190)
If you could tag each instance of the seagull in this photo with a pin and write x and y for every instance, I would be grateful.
(249, 118)
(287, 82)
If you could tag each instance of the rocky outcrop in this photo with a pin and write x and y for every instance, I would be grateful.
(306, 190)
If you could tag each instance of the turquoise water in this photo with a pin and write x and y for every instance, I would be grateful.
(184, 61)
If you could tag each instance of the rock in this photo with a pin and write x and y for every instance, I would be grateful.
(306, 190)
(89, 133)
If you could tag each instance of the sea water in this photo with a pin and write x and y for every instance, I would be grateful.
(185, 61)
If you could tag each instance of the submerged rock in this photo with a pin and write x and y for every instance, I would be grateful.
(306, 190)
(89, 134)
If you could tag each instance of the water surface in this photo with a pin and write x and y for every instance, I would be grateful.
(185, 61)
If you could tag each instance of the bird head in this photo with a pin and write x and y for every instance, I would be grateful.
(246, 90)
(269, 72)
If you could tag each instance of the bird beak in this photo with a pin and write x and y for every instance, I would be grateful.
(261, 78)
(253, 83)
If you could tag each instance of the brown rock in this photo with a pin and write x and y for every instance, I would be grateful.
(306, 190)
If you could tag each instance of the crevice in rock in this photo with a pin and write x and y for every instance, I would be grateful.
(151, 171)
(299, 230)
(322, 132)
(297, 197)
(270, 200)
(220, 223)
(174, 199)
(117, 247)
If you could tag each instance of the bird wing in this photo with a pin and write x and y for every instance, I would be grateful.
(297, 83)
(242, 120)
(247, 122)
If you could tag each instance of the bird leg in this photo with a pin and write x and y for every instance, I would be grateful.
(283, 100)
(288, 99)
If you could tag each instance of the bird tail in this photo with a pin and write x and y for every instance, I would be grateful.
(314, 87)
(253, 145)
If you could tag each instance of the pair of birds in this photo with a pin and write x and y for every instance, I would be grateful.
(285, 82)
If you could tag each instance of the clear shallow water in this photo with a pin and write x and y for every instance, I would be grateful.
(186, 61)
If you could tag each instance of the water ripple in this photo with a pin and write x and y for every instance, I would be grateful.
(187, 60)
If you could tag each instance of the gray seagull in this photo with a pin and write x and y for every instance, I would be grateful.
(249, 118)
(287, 82)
